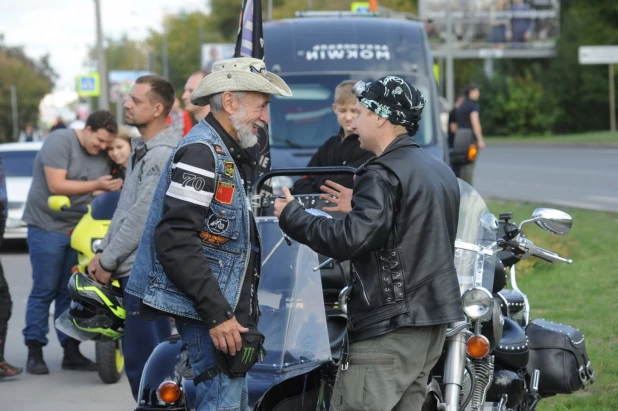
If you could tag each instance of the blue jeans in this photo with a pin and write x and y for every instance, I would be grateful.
(52, 258)
(140, 338)
(221, 392)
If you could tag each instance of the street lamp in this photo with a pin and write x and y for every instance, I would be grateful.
(102, 65)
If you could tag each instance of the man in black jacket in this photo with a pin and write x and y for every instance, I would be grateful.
(399, 236)
(342, 149)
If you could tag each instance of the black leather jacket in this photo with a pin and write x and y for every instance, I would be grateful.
(400, 238)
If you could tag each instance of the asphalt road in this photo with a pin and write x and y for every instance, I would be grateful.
(60, 390)
(578, 177)
(581, 177)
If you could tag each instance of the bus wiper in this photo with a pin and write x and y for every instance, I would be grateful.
(288, 142)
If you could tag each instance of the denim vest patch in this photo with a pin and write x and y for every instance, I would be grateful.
(224, 237)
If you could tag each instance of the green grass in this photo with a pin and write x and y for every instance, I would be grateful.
(583, 295)
(594, 138)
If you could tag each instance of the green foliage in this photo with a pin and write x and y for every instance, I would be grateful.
(516, 105)
(582, 90)
(123, 54)
(33, 79)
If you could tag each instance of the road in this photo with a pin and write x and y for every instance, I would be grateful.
(582, 177)
(60, 390)
(579, 177)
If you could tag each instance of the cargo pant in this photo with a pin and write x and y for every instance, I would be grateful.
(389, 372)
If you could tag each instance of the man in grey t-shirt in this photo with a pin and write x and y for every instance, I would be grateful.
(71, 163)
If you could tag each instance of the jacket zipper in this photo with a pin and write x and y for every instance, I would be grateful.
(361, 284)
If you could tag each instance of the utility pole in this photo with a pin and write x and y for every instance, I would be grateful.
(450, 81)
(166, 70)
(102, 64)
(14, 110)
(612, 100)
(270, 10)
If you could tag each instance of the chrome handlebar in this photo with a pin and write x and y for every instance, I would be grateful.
(527, 248)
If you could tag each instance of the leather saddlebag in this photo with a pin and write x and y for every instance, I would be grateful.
(558, 351)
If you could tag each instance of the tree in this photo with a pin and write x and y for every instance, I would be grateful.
(582, 90)
(33, 80)
(182, 32)
(122, 54)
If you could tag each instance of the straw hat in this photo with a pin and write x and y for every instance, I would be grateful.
(239, 74)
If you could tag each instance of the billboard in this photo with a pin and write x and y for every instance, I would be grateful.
(505, 28)
(212, 52)
(121, 82)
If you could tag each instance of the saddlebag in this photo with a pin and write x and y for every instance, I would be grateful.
(558, 351)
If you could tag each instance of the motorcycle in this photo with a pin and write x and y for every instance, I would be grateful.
(306, 327)
(539, 358)
(85, 239)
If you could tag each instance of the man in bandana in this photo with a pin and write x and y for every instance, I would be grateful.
(399, 236)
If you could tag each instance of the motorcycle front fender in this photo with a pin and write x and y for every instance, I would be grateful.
(165, 363)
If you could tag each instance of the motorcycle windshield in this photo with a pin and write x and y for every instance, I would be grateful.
(476, 240)
(291, 302)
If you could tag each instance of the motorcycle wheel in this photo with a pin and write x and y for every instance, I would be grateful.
(110, 361)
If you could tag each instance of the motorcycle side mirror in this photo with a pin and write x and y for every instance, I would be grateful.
(552, 220)
(58, 203)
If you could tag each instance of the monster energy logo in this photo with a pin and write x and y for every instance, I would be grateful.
(247, 355)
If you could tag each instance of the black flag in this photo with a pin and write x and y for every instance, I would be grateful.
(250, 43)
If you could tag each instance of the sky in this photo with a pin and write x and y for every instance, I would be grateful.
(66, 29)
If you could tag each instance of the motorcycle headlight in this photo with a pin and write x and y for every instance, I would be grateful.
(95, 244)
(477, 303)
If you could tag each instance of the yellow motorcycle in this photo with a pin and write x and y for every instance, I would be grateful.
(85, 239)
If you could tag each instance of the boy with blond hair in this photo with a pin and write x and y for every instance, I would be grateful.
(342, 149)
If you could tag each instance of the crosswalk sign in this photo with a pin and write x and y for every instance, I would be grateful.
(88, 85)
(360, 7)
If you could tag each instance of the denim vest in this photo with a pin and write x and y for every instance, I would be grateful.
(225, 235)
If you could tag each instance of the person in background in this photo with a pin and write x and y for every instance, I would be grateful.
(193, 81)
(500, 25)
(521, 27)
(147, 108)
(58, 124)
(342, 149)
(179, 118)
(452, 120)
(119, 152)
(73, 163)
(6, 304)
(28, 135)
(468, 120)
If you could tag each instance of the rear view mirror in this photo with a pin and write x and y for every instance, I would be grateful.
(58, 203)
(552, 220)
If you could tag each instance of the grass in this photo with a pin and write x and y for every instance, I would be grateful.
(593, 138)
(583, 295)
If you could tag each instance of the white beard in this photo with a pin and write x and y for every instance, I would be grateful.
(246, 137)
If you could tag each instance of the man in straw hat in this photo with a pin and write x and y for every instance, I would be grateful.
(400, 237)
(200, 233)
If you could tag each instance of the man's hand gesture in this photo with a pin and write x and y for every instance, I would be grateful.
(339, 195)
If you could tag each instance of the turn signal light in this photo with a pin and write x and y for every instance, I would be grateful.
(169, 392)
(472, 152)
(477, 346)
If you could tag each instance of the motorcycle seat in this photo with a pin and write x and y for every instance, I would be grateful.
(513, 349)
(515, 300)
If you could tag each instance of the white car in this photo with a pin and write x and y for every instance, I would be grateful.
(17, 162)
